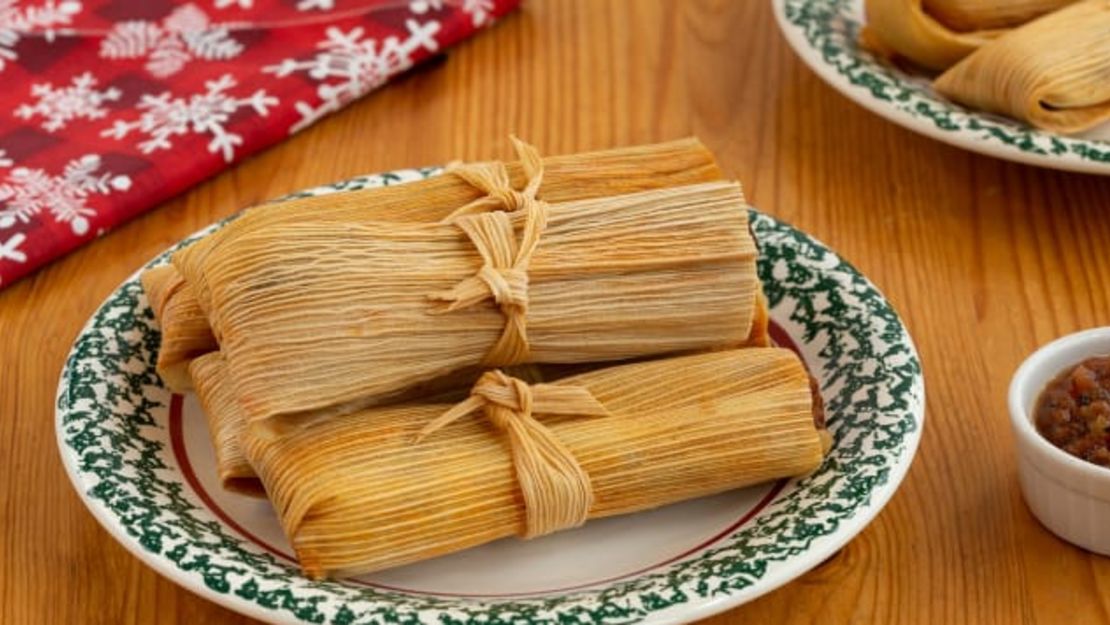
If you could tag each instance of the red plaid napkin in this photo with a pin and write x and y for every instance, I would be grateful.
(110, 107)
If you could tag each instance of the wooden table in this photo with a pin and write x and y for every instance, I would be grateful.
(985, 260)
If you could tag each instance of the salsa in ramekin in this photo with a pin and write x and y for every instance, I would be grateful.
(1073, 411)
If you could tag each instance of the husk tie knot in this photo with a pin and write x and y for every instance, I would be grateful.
(556, 490)
(504, 272)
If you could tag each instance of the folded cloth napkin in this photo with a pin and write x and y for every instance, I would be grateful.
(111, 106)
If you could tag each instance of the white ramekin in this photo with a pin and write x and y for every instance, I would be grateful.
(1071, 497)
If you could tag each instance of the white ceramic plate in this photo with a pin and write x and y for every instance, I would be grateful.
(824, 34)
(140, 458)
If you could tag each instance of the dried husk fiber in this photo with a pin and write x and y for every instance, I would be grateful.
(1052, 72)
(972, 15)
(359, 493)
(904, 29)
(185, 330)
(317, 316)
(226, 422)
(221, 411)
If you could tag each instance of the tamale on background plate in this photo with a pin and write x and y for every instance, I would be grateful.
(141, 459)
(825, 34)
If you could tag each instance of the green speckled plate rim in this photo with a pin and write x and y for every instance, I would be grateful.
(115, 449)
(824, 34)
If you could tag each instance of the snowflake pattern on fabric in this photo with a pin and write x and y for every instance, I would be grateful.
(421, 7)
(60, 105)
(16, 20)
(28, 192)
(316, 5)
(348, 66)
(170, 92)
(184, 35)
(164, 117)
(10, 249)
(480, 11)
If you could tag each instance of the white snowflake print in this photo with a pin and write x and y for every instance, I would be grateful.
(242, 4)
(479, 11)
(348, 66)
(10, 249)
(27, 192)
(420, 7)
(310, 5)
(184, 35)
(17, 20)
(60, 105)
(202, 113)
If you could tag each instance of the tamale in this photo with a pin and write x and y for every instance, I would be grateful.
(972, 15)
(322, 315)
(226, 423)
(573, 177)
(185, 330)
(366, 492)
(902, 28)
(1051, 72)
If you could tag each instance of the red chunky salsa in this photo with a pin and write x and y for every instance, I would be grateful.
(1073, 411)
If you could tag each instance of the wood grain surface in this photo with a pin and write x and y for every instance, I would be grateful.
(984, 259)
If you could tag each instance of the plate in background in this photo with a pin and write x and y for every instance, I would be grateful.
(824, 34)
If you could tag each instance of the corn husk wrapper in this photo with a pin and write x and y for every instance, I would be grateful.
(226, 422)
(158, 282)
(903, 29)
(185, 333)
(358, 493)
(1052, 72)
(217, 400)
(318, 316)
(185, 329)
(973, 15)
